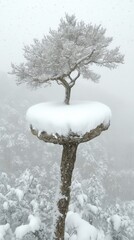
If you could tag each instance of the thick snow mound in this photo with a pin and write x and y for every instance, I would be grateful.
(33, 226)
(3, 230)
(81, 230)
(116, 221)
(79, 117)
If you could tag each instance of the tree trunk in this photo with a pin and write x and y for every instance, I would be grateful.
(66, 168)
(67, 95)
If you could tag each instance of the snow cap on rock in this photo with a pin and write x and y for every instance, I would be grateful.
(78, 117)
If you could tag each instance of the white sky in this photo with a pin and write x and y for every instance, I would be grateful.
(23, 20)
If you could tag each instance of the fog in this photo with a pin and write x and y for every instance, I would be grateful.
(22, 21)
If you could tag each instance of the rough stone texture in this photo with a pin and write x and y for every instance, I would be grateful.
(66, 169)
(71, 138)
(70, 144)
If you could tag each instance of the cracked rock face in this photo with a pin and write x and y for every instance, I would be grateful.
(59, 123)
(72, 138)
(67, 125)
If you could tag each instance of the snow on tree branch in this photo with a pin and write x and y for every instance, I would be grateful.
(74, 46)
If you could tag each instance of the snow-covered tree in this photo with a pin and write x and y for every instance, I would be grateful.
(27, 200)
(66, 54)
(121, 183)
(30, 197)
(63, 56)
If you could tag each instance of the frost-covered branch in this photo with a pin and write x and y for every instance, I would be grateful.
(75, 46)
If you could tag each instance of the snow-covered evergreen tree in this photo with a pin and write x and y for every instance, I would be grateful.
(66, 54)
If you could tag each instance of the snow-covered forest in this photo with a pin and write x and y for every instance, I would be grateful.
(66, 158)
(101, 195)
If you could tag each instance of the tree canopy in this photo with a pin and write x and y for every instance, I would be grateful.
(66, 54)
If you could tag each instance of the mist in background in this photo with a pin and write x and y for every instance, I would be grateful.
(23, 20)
